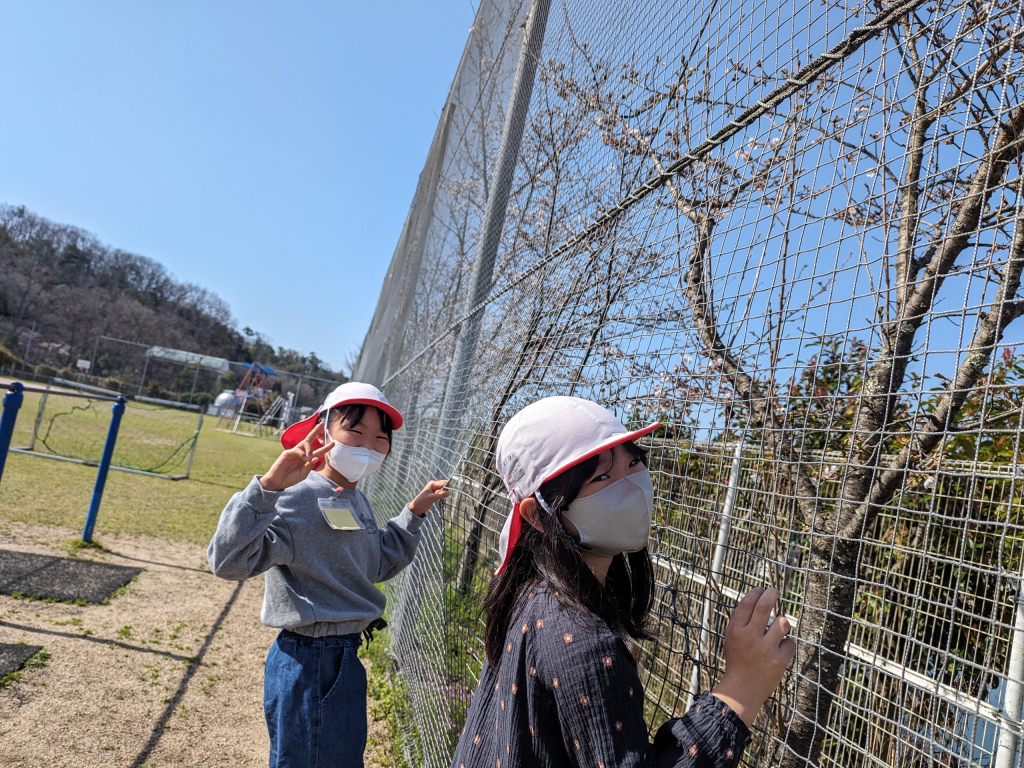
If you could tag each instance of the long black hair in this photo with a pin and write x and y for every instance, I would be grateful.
(624, 601)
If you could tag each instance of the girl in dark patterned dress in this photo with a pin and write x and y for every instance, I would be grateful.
(572, 597)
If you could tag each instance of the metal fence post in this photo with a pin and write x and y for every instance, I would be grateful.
(457, 390)
(425, 208)
(95, 349)
(456, 393)
(28, 347)
(192, 451)
(717, 563)
(195, 379)
(142, 381)
(1013, 696)
(101, 476)
(39, 418)
(12, 402)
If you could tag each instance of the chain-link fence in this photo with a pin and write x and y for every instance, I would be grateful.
(793, 234)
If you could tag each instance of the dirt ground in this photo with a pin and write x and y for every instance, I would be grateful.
(170, 673)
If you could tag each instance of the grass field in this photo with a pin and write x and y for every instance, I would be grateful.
(45, 491)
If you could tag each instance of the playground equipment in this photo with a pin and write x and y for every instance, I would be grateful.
(263, 412)
(277, 410)
(250, 389)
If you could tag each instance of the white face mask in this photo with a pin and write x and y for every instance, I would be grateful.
(352, 463)
(617, 518)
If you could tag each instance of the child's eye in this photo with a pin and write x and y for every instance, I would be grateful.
(634, 462)
(599, 478)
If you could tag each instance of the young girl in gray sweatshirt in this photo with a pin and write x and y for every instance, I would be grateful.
(306, 526)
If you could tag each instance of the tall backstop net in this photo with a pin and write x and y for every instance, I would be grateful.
(794, 235)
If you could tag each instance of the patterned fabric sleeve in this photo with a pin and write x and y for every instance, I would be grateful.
(709, 735)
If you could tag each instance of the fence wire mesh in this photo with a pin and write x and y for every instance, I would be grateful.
(792, 234)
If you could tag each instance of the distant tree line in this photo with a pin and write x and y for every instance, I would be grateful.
(62, 277)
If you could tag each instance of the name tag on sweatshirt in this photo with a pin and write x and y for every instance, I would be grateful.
(339, 514)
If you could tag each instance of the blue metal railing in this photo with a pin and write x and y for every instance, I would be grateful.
(12, 402)
(101, 475)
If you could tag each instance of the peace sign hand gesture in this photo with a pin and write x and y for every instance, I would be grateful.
(294, 465)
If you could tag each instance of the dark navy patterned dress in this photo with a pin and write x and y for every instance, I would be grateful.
(567, 693)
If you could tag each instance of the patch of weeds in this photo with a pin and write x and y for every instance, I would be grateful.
(177, 631)
(77, 547)
(75, 622)
(39, 660)
(122, 590)
(125, 632)
(47, 600)
(207, 687)
(389, 702)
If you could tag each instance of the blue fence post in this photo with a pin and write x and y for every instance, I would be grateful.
(12, 402)
(101, 476)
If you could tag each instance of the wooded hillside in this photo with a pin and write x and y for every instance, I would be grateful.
(73, 287)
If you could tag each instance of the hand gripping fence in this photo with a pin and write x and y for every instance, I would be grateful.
(793, 235)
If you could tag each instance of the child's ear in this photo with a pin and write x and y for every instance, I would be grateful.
(530, 510)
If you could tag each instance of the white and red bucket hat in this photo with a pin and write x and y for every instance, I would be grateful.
(545, 439)
(350, 393)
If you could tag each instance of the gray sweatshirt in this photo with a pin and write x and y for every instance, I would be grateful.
(319, 581)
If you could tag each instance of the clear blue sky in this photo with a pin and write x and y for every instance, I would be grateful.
(267, 151)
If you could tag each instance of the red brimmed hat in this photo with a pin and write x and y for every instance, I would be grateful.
(545, 439)
(353, 393)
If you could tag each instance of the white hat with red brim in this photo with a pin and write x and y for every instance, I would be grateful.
(545, 439)
(350, 393)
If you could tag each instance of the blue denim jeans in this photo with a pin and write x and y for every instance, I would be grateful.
(314, 698)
